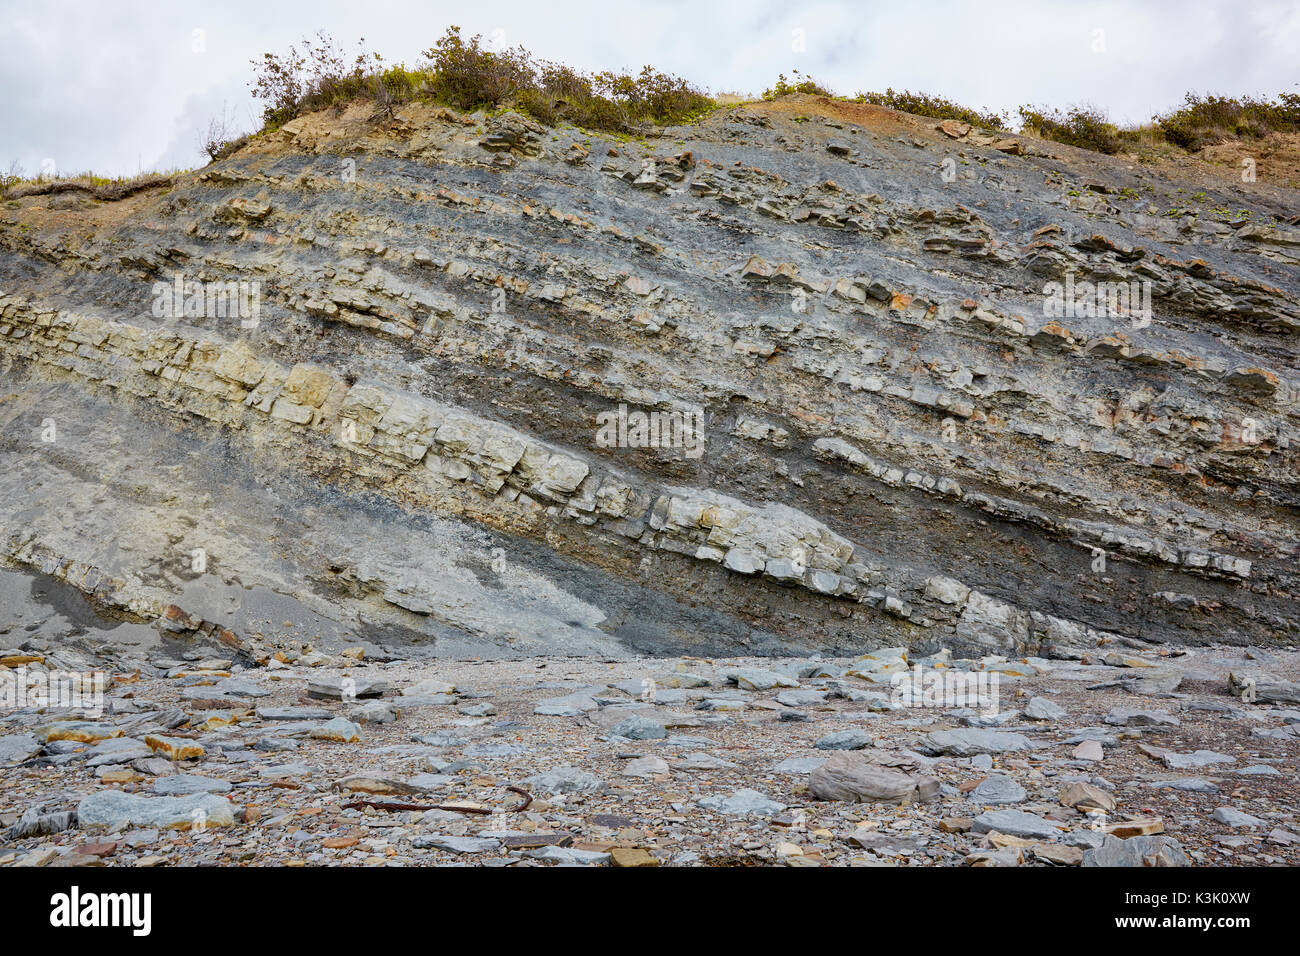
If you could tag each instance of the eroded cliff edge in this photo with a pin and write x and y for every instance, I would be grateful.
(900, 445)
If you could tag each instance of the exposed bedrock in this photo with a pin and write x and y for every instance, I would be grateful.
(421, 422)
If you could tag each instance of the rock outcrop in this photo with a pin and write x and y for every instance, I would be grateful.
(801, 376)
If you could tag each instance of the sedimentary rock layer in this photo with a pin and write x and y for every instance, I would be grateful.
(915, 427)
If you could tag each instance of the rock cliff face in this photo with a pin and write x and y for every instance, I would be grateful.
(392, 411)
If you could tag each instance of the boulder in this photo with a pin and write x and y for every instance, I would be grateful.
(113, 807)
(852, 778)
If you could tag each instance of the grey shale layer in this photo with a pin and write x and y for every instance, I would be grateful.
(901, 444)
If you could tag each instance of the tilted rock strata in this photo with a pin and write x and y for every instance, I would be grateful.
(899, 442)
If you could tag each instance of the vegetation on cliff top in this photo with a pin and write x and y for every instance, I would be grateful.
(468, 75)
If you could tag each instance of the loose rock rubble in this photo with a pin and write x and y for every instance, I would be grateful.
(857, 302)
(202, 760)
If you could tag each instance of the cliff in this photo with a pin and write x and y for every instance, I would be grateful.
(952, 390)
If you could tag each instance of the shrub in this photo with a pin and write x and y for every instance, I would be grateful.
(1083, 126)
(1205, 120)
(313, 78)
(220, 138)
(12, 176)
(936, 107)
(468, 76)
(806, 85)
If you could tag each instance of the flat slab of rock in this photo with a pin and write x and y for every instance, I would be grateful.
(1232, 817)
(430, 687)
(801, 697)
(339, 730)
(1185, 784)
(1155, 683)
(33, 823)
(1015, 823)
(376, 784)
(293, 713)
(81, 731)
(346, 688)
(965, 742)
(639, 687)
(1186, 761)
(799, 765)
(1260, 770)
(568, 856)
(1088, 750)
(18, 747)
(743, 803)
(113, 807)
(722, 704)
(1137, 851)
(373, 712)
(424, 700)
(456, 844)
(681, 680)
(1122, 717)
(117, 750)
(645, 767)
(185, 784)
(703, 762)
(174, 748)
(752, 678)
(1265, 691)
(240, 687)
(883, 843)
(565, 780)
(998, 789)
(638, 727)
(1040, 708)
(852, 778)
(844, 740)
(571, 705)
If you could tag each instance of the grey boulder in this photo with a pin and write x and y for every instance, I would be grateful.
(852, 778)
(113, 807)
(1015, 823)
(965, 742)
(1141, 851)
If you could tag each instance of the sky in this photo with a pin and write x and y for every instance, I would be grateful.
(124, 87)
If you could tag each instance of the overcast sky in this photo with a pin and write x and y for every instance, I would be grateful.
(121, 87)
